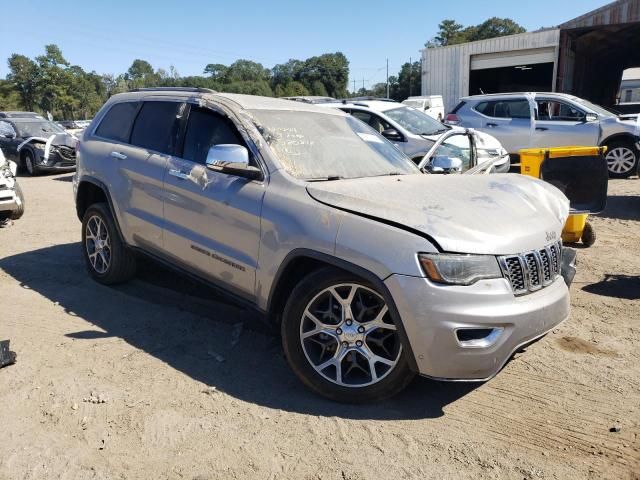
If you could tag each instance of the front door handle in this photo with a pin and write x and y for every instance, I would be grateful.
(542, 129)
(118, 155)
(178, 174)
(492, 124)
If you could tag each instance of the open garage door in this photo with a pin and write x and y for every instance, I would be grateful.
(592, 60)
(513, 71)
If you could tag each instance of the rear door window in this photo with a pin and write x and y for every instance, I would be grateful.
(156, 127)
(504, 108)
(116, 124)
(205, 129)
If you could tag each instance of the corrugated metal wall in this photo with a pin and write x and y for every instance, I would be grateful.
(445, 70)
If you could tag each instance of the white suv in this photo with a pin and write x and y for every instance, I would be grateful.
(414, 133)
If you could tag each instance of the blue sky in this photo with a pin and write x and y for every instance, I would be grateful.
(107, 36)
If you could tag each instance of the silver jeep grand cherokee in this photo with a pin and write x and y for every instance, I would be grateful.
(374, 270)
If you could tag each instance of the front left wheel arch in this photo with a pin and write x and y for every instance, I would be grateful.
(299, 263)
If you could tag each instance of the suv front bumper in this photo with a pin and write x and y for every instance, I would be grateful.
(435, 316)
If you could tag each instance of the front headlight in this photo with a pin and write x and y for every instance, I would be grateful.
(455, 269)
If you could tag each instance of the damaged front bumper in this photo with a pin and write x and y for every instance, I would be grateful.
(56, 162)
(468, 333)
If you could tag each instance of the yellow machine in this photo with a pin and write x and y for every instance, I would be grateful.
(581, 174)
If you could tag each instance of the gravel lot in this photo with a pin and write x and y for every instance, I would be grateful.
(162, 379)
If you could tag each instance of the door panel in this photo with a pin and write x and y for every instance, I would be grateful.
(212, 220)
(509, 120)
(213, 223)
(561, 124)
(137, 190)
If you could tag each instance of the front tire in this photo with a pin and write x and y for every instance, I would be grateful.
(16, 214)
(622, 159)
(341, 340)
(29, 164)
(107, 258)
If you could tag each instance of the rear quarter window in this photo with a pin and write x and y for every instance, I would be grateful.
(116, 124)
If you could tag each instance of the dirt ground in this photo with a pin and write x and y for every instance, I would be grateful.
(190, 386)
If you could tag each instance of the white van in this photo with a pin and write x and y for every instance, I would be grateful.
(430, 104)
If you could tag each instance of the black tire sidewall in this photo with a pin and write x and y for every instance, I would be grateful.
(114, 272)
(628, 145)
(17, 214)
(304, 292)
(588, 237)
(34, 170)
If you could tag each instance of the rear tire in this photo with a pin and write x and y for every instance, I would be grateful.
(622, 159)
(107, 257)
(365, 358)
(588, 235)
(16, 214)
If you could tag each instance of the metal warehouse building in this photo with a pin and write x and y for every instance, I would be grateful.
(584, 56)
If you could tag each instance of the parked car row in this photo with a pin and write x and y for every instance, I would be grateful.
(373, 268)
(37, 145)
(525, 120)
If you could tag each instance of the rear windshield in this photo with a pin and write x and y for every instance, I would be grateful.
(317, 146)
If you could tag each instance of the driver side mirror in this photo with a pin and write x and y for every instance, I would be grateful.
(392, 135)
(590, 117)
(9, 135)
(233, 160)
(445, 165)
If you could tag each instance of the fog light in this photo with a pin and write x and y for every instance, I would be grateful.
(478, 337)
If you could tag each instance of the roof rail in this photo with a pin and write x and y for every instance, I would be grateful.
(174, 89)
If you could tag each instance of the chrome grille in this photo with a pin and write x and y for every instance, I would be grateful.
(531, 271)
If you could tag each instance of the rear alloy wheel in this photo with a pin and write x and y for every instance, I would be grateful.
(622, 160)
(341, 340)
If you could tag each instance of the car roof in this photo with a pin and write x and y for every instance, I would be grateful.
(16, 114)
(490, 96)
(246, 102)
(375, 105)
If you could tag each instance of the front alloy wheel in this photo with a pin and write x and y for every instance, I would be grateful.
(621, 161)
(341, 339)
(348, 337)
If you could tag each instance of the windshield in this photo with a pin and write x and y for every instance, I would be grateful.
(38, 129)
(321, 146)
(592, 106)
(416, 122)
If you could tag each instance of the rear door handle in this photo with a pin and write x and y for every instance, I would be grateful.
(542, 129)
(118, 155)
(492, 124)
(178, 174)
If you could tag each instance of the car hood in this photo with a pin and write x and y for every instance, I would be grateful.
(485, 214)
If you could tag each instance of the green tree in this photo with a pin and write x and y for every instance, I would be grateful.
(452, 33)
(216, 71)
(448, 29)
(496, 27)
(23, 75)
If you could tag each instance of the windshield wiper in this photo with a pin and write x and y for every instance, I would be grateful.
(328, 178)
